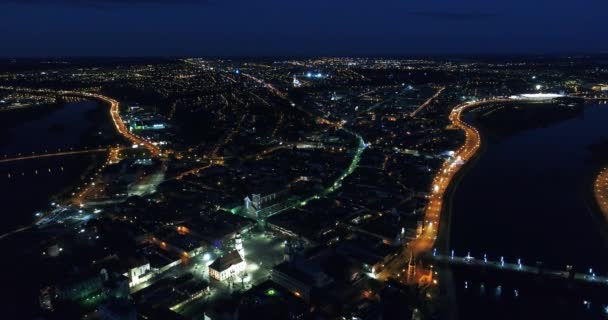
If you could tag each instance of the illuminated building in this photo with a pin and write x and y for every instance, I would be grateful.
(227, 266)
(537, 97)
(600, 87)
(296, 82)
(138, 268)
(259, 207)
(238, 245)
(138, 125)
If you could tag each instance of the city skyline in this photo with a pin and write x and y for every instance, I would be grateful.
(296, 160)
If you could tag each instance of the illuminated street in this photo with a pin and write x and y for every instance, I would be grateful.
(120, 125)
(441, 182)
(600, 191)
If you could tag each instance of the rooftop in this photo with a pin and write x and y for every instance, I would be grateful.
(224, 262)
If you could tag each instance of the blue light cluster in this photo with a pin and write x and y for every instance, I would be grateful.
(317, 75)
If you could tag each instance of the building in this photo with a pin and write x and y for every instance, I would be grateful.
(138, 269)
(261, 207)
(80, 286)
(238, 245)
(299, 275)
(296, 82)
(171, 293)
(369, 253)
(269, 301)
(47, 295)
(299, 283)
(227, 266)
(115, 285)
(87, 286)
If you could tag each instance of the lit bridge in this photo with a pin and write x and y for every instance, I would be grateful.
(55, 154)
(518, 266)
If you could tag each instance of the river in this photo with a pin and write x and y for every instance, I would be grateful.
(29, 185)
(526, 196)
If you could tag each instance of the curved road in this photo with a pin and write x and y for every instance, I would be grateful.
(114, 113)
(442, 180)
(118, 123)
(447, 172)
(600, 191)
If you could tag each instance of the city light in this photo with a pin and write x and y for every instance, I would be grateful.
(321, 177)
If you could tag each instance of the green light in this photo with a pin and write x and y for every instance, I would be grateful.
(271, 292)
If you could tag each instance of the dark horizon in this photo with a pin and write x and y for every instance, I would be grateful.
(404, 56)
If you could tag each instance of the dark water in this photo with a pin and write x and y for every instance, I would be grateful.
(33, 183)
(61, 128)
(28, 185)
(486, 294)
(525, 198)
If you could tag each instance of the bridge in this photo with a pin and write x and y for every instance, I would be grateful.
(121, 127)
(427, 102)
(56, 154)
(518, 266)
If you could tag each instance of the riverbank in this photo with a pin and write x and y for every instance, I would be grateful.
(523, 196)
(442, 243)
(596, 185)
(462, 284)
(35, 183)
(591, 201)
(444, 235)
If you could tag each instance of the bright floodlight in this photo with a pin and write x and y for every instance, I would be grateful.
(537, 96)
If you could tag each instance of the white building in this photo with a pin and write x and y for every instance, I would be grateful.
(231, 264)
(138, 270)
(296, 82)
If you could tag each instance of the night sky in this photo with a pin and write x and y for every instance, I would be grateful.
(300, 27)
